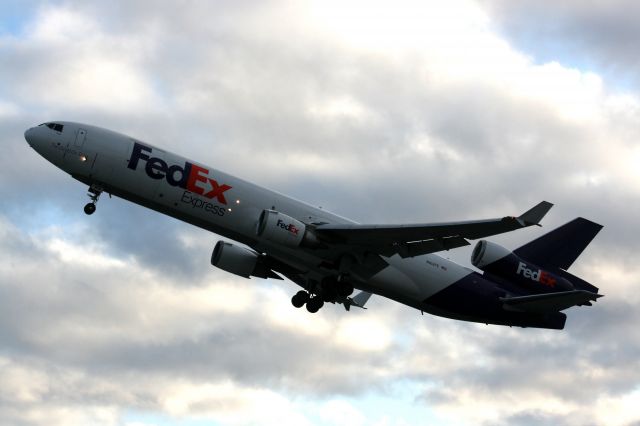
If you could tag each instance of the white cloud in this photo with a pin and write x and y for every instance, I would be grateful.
(63, 25)
(620, 410)
(339, 107)
(341, 413)
(8, 109)
(408, 25)
(230, 404)
(364, 334)
(408, 111)
(71, 252)
(80, 65)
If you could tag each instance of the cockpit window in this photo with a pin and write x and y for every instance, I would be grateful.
(55, 126)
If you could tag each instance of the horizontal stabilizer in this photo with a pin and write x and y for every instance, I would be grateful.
(578, 283)
(549, 302)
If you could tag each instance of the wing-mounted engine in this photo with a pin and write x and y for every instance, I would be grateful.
(241, 261)
(503, 263)
(282, 229)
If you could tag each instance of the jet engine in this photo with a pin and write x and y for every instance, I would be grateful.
(501, 262)
(485, 253)
(242, 261)
(282, 229)
(234, 259)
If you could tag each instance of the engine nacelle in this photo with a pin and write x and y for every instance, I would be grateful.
(235, 259)
(501, 262)
(486, 253)
(282, 229)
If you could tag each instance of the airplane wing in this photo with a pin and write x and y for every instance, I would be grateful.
(418, 239)
(549, 302)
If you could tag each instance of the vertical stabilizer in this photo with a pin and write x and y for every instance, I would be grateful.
(562, 246)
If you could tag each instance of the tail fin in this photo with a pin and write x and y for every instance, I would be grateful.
(562, 246)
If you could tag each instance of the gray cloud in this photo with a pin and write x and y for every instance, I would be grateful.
(531, 418)
(600, 35)
(259, 91)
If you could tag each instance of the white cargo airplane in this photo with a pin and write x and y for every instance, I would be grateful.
(327, 255)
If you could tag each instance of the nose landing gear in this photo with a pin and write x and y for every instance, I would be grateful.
(94, 194)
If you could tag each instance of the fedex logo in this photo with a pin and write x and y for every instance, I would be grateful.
(540, 276)
(190, 177)
(290, 227)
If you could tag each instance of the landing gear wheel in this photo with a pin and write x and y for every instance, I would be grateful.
(314, 304)
(89, 208)
(300, 298)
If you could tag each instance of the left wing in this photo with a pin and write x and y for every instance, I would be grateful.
(417, 239)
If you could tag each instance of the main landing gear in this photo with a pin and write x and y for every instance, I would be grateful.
(314, 303)
(94, 194)
(330, 289)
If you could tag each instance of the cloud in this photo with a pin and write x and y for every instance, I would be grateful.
(599, 35)
(406, 114)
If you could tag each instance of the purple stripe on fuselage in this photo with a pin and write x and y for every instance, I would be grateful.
(474, 298)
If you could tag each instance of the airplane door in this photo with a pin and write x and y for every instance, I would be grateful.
(81, 135)
(78, 159)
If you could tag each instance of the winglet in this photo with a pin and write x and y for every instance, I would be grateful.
(534, 215)
(358, 300)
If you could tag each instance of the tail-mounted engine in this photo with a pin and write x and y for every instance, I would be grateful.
(501, 262)
(282, 229)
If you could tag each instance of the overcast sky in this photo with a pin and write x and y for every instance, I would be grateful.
(380, 111)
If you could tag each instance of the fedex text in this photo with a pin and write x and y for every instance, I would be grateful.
(540, 276)
(290, 227)
(189, 176)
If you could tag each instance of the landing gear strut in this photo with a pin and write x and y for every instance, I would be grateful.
(344, 287)
(94, 194)
(332, 287)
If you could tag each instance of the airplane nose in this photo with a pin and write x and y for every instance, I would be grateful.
(35, 138)
(28, 135)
